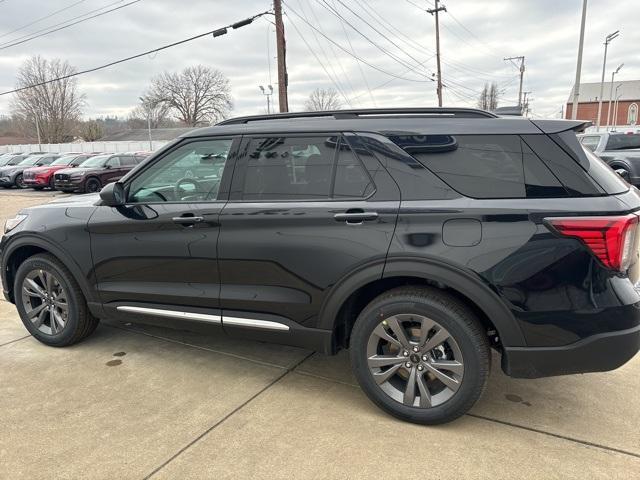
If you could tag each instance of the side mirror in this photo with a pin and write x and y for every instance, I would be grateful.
(107, 166)
(113, 194)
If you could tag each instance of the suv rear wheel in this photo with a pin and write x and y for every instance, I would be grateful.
(50, 302)
(420, 354)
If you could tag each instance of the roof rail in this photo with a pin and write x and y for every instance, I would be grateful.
(367, 112)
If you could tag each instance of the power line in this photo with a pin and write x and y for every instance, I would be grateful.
(364, 77)
(334, 77)
(42, 18)
(358, 57)
(219, 31)
(31, 36)
(404, 63)
(376, 30)
(304, 40)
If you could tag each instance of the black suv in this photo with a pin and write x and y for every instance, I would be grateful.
(420, 239)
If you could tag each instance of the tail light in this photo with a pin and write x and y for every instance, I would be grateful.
(610, 238)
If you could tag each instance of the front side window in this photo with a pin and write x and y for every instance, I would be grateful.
(190, 173)
(303, 168)
(113, 162)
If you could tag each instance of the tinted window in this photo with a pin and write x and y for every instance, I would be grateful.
(281, 168)
(192, 172)
(597, 169)
(480, 166)
(623, 142)
(352, 180)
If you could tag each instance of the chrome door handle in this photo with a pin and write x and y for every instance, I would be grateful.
(355, 217)
(187, 220)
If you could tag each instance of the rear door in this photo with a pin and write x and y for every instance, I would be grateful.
(304, 212)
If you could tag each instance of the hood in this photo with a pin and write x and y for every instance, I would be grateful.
(11, 168)
(80, 169)
(42, 168)
(86, 200)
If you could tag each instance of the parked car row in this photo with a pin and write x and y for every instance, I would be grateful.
(67, 172)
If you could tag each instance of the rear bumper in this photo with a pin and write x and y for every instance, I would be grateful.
(597, 353)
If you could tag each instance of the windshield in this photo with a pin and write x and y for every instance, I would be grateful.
(98, 161)
(15, 160)
(623, 142)
(4, 160)
(30, 160)
(64, 160)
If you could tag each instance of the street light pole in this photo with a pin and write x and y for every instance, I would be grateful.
(607, 41)
(613, 74)
(615, 108)
(268, 95)
(576, 85)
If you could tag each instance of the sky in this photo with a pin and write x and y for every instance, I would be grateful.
(375, 53)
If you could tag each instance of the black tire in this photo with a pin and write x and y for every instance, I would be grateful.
(79, 322)
(449, 314)
(92, 185)
(19, 181)
(38, 189)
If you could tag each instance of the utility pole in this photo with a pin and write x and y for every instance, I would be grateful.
(434, 11)
(607, 41)
(521, 68)
(613, 74)
(576, 85)
(281, 47)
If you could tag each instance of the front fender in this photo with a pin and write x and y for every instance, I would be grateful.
(30, 239)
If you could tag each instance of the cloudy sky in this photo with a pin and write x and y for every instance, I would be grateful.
(393, 40)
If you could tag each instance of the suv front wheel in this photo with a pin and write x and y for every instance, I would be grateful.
(420, 354)
(50, 302)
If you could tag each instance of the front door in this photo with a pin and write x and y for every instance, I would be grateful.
(304, 211)
(158, 252)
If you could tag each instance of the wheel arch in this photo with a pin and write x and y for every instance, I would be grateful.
(353, 293)
(20, 249)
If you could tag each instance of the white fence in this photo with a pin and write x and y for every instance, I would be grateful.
(107, 147)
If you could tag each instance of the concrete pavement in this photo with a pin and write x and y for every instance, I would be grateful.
(134, 402)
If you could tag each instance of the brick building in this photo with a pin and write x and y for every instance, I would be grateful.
(627, 93)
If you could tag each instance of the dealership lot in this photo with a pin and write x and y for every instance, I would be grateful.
(138, 402)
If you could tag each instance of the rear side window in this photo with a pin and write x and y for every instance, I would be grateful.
(303, 168)
(598, 170)
(484, 166)
(623, 142)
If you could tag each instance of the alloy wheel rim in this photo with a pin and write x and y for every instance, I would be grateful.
(415, 360)
(45, 301)
(92, 186)
(19, 181)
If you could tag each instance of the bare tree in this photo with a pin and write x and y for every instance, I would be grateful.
(150, 112)
(323, 99)
(53, 108)
(196, 96)
(90, 131)
(489, 97)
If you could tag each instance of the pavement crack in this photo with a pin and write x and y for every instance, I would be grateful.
(14, 341)
(555, 435)
(227, 416)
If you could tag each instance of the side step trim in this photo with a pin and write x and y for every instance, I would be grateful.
(253, 323)
(200, 317)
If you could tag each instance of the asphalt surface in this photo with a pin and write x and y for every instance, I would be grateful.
(134, 402)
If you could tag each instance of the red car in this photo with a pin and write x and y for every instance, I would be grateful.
(41, 177)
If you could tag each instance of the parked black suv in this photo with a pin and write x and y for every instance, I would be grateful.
(420, 239)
